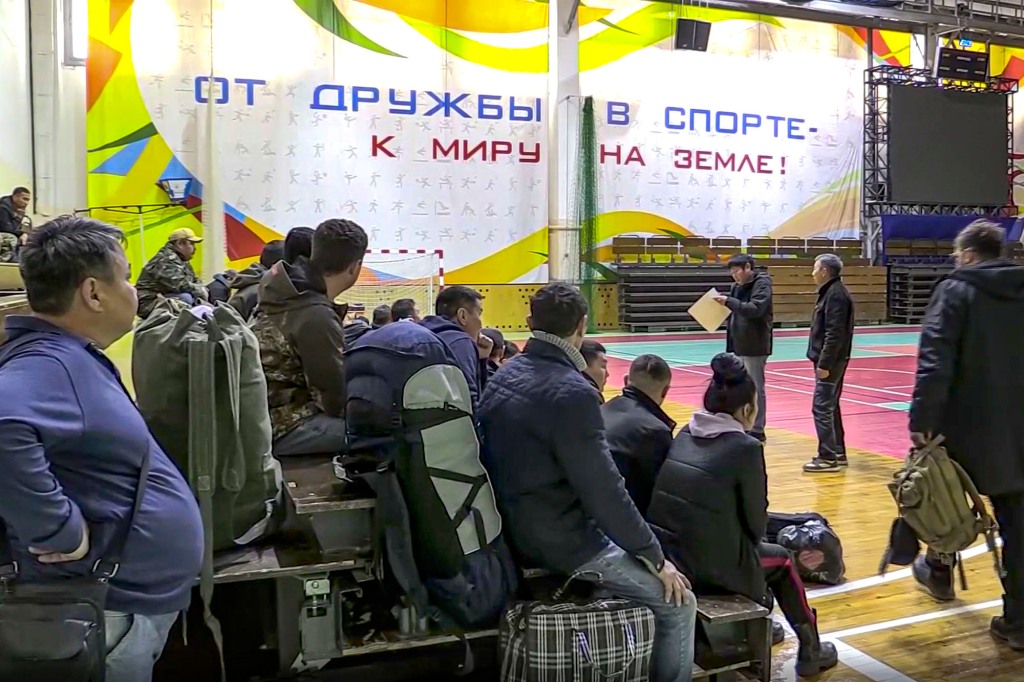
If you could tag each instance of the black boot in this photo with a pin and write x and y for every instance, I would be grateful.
(814, 656)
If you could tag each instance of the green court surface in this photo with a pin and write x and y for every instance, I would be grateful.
(785, 348)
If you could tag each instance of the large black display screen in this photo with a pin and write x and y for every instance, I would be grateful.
(947, 147)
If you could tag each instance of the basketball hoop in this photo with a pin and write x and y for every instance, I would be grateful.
(177, 189)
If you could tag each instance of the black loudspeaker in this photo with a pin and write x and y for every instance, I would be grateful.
(961, 65)
(692, 34)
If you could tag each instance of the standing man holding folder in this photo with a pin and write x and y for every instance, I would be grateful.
(749, 330)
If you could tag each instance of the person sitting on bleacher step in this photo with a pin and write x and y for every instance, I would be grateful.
(563, 502)
(299, 328)
(709, 508)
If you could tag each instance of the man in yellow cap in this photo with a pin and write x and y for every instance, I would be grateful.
(169, 273)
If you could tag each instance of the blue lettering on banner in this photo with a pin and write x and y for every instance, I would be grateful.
(618, 113)
(727, 122)
(338, 97)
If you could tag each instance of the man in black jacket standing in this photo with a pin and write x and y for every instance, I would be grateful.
(829, 347)
(749, 332)
(970, 379)
(563, 502)
(639, 432)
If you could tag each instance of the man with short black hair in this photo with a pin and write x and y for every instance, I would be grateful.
(405, 309)
(14, 223)
(299, 328)
(73, 447)
(381, 316)
(639, 432)
(829, 346)
(749, 329)
(298, 243)
(169, 273)
(596, 371)
(458, 320)
(970, 377)
(562, 499)
(497, 350)
(246, 283)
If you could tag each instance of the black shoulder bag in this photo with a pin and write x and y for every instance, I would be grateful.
(55, 631)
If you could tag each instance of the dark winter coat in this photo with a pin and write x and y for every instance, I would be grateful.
(750, 326)
(831, 338)
(710, 506)
(970, 373)
(639, 436)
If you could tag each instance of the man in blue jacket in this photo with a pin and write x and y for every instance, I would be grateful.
(458, 320)
(563, 501)
(72, 445)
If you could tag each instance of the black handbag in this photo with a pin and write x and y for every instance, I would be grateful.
(56, 630)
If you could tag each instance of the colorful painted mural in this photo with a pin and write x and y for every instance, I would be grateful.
(427, 122)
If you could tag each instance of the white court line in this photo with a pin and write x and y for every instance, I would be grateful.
(690, 368)
(869, 667)
(846, 385)
(892, 576)
(912, 620)
(852, 658)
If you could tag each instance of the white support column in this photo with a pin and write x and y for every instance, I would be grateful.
(58, 102)
(563, 105)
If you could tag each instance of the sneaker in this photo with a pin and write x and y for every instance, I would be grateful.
(842, 461)
(936, 582)
(819, 465)
(1006, 633)
(778, 634)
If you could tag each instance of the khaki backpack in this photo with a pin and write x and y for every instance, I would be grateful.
(938, 500)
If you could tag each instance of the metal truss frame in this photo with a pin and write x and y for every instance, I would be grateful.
(875, 190)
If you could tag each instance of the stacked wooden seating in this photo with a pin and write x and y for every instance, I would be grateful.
(795, 293)
(739, 636)
(720, 249)
(910, 288)
(655, 297)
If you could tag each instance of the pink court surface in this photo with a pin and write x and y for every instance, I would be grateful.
(876, 394)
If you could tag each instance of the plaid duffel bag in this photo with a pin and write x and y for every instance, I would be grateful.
(608, 640)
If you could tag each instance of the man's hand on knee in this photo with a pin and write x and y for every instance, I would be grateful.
(677, 587)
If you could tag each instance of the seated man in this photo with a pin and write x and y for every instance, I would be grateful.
(245, 284)
(457, 320)
(169, 273)
(563, 502)
(497, 350)
(596, 371)
(639, 432)
(301, 340)
(298, 243)
(405, 309)
(381, 316)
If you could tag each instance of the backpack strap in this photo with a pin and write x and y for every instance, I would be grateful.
(202, 455)
(466, 508)
(989, 525)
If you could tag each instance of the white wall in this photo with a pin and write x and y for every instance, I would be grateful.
(15, 127)
(58, 99)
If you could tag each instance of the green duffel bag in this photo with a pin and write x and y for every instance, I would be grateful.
(200, 386)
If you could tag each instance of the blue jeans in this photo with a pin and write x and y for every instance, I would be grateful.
(134, 643)
(315, 435)
(627, 578)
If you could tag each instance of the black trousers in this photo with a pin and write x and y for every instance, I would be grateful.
(785, 584)
(828, 416)
(1009, 510)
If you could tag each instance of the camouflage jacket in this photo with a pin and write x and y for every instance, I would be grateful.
(301, 346)
(166, 273)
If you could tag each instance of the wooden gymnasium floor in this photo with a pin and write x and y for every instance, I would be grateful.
(885, 629)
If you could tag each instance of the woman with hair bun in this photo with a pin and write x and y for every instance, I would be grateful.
(710, 511)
